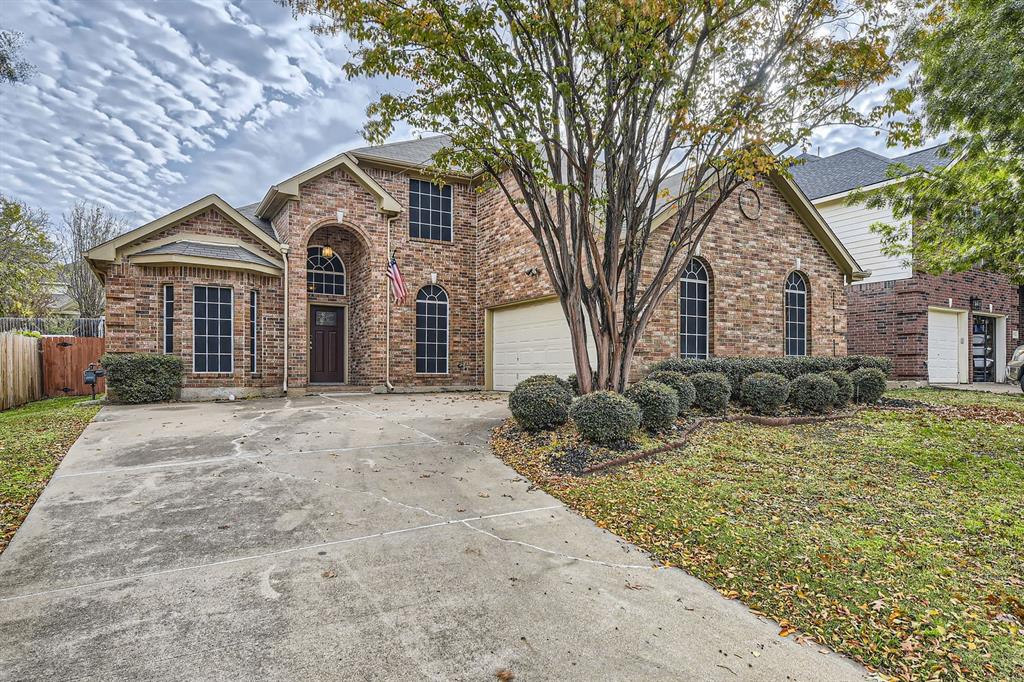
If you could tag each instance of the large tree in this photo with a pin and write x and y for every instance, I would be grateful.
(13, 69)
(26, 257)
(580, 111)
(970, 84)
(82, 228)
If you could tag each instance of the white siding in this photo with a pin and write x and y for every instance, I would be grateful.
(852, 225)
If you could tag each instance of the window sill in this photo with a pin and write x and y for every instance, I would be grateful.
(423, 240)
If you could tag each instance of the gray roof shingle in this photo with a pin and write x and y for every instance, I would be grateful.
(417, 152)
(822, 176)
(249, 211)
(205, 250)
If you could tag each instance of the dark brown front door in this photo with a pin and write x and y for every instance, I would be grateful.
(327, 345)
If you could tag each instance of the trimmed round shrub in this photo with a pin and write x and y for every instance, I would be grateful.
(142, 377)
(765, 392)
(844, 387)
(678, 382)
(605, 417)
(539, 405)
(574, 384)
(868, 384)
(812, 393)
(658, 403)
(547, 379)
(712, 391)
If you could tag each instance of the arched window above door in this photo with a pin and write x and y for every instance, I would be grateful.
(325, 273)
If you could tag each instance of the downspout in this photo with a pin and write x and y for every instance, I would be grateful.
(387, 314)
(284, 250)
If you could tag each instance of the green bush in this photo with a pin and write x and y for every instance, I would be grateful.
(868, 384)
(605, 417)
(738, 369)
(142, 377)
(547, 379)
(574, 384)
(680, 383)
(844, 387)
(765, 392)
(812, 393)
(712, 391)
(658, 403)
(538, 405)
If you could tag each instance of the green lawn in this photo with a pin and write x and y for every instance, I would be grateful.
(896, 537)
(33, 440)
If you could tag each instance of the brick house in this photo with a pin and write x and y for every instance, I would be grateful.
(290, 294)
(953, 328)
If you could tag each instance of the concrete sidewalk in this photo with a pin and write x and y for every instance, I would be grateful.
(346, 537)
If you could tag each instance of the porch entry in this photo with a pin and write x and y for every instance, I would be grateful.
(326, 345)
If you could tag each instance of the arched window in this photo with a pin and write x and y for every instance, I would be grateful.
(431, 330)
(694, 322)
(796, 314)
(325, 273)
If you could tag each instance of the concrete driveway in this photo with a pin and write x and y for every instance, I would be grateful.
(346, 537)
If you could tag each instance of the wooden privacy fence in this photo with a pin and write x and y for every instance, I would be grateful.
(21, 372)
(65, 359)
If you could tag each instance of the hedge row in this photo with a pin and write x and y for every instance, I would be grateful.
(738, 369)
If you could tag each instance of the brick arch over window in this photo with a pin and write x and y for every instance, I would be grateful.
(432, 326)
(797, 296)
(696, 310)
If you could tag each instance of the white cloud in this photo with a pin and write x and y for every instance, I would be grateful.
(145, 107)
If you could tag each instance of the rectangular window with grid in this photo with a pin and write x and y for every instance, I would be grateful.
(430, 210)
(693, 319)
(796, 323)
(253, 328)
(432, 330)
(168, 306)
(212, 329)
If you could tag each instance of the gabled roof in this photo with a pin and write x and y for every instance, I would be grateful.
(408, 152)
(107, 251)
(824, 176)
(285, 191)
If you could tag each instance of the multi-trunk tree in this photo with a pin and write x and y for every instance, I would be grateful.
(82, 228)
(590, 115)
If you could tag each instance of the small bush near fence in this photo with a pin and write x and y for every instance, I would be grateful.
(142, 377)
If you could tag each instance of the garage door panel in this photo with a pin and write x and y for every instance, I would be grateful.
(943, 347)
(530, 339)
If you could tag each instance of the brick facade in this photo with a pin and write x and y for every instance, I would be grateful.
(891, 318)
(492, 260)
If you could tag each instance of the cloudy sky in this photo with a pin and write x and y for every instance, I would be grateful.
(146, 106)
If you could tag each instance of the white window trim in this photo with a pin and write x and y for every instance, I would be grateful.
(231, 332)
(447, 334)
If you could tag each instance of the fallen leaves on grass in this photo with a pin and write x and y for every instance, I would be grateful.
(895, 537)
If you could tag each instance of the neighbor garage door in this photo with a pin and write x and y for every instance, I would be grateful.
(943, 347)
(529, 339)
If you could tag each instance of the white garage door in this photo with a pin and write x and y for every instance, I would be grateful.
(529, 339)
(943, 347)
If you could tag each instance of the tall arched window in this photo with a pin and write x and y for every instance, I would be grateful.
(694, 322)
(796, 314)
(431, 330)
(325, 273)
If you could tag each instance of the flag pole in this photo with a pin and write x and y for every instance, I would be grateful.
(387, 315)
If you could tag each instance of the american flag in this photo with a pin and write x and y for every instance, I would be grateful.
(397, 283)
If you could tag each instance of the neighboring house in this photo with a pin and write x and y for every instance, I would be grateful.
(953, 328)
(291, 293)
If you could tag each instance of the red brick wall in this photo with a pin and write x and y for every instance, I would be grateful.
(453, 262)
(749, 262)
(134, 315)
(891, 318)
